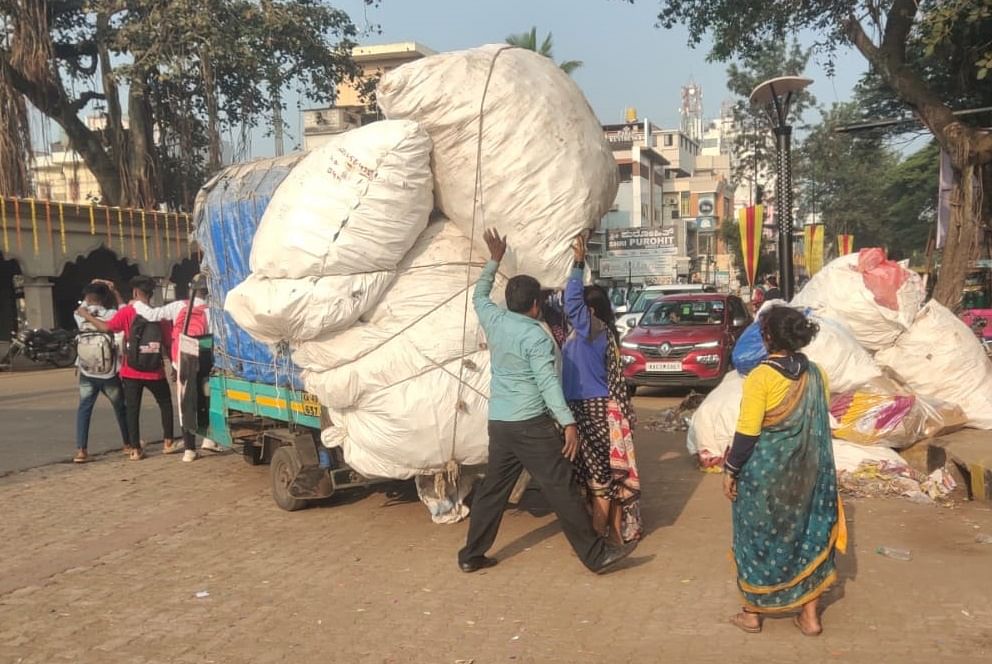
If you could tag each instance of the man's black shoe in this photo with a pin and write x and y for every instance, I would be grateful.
(614, 554)
(477, 563)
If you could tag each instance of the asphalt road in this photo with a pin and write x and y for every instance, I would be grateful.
(38, 420)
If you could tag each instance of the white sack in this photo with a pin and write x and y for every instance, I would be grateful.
(272, 310)
(838, 291)
(547, 172)
(835, 351)
(711, 430)
(355, 204)
(390, 382)
(848, 456)
(940, 357)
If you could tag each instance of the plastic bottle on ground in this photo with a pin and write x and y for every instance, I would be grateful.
(893, 552)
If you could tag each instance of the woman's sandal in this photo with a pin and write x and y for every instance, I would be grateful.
(803, 630)
(737, 620)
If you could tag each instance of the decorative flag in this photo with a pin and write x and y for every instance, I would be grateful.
(813, 248)
(3, 217)
(845, 244)
(750, 220)
(34, 227)
(62, 228)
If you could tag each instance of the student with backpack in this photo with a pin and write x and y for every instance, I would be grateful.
(98, 361)
(142, 365)
(191, 318)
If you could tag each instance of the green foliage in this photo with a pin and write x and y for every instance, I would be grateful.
(190, 69)
(855, 183)
(528, 40)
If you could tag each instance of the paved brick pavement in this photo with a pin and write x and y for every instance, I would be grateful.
(102, 564)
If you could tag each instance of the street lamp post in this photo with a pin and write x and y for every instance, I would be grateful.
(776, 96)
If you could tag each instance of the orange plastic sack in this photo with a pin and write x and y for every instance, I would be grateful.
(882, 276)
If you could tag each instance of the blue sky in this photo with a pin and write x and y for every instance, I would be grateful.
(628, 61)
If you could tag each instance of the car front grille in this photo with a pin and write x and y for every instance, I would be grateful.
(675, 353)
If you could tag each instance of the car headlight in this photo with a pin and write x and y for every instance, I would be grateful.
(626, 360)
(708, 359)
(708, 344)
(629, 345)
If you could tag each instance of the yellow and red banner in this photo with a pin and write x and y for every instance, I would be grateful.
(845, 244)
(813, 248)
(750, 220)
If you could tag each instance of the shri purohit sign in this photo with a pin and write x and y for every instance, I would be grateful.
(641, 242)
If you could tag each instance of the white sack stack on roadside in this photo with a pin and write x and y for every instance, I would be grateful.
(330, 239)
(547, 172)
(390, 382)
(940, 357)
(840, 291)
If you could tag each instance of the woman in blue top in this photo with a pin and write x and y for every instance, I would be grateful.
(594, 386)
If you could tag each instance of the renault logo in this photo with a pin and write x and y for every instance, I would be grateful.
(665, 349)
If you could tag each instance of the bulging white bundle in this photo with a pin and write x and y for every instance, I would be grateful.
(546, 171)
(355, 204)
(391, 381)
(273, 310)
(839, 291)
(940, 357)
(330, 239)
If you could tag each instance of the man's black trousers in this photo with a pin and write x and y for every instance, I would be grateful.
(536, 445)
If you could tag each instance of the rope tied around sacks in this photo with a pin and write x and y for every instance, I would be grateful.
(452, 468)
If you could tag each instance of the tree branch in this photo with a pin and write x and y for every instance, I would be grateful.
(898, 24)
(84, 99)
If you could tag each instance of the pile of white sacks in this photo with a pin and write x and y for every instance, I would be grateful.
(899, 370)
(366, 257)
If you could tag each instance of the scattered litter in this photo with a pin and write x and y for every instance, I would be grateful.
(965, 613)
(516, 638)
(426, 590)
(464, 661)
(427, 613)
(360, 610)
(894, 553)
(675, 419)
(320, 622)
(983, 538)
(203, 594)
(889, 478)
(469, 622)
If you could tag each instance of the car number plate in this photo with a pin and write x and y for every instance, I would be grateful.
(664, 367)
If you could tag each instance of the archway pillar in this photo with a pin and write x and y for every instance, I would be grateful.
(38, 303)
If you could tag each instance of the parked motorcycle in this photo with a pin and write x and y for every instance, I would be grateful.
(56, 347)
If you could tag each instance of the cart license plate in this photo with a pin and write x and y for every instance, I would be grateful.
(664, 367)
(311, 406)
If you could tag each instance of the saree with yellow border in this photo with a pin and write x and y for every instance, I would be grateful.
(788, 519)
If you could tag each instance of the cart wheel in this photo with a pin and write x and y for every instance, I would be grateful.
(284, 467)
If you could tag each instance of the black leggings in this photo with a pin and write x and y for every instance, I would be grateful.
(133, 389)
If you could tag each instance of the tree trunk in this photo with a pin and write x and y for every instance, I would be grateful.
(963, 244)
(213, 121)
(141, 173)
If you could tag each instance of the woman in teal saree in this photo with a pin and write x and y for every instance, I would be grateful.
(780, 474)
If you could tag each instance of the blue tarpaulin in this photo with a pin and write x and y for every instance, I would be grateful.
(228, 210)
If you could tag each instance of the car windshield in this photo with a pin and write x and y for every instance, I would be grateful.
(643, 300)
(685, 313)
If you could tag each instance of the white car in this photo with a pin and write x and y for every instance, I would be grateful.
(628, 321)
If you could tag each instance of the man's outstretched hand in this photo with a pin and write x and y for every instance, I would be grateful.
(496, 244)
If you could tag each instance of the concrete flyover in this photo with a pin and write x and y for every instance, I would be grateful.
(50, 249)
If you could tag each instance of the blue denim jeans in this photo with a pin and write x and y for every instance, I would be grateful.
(89, 390)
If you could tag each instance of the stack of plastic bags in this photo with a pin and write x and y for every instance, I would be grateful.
(898, 371)
(365, 259)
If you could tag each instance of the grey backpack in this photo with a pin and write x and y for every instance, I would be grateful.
(97, 351)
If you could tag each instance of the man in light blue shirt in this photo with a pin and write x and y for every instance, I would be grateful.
(525, 402)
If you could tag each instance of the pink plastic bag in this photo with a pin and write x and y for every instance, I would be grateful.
(882, 276)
